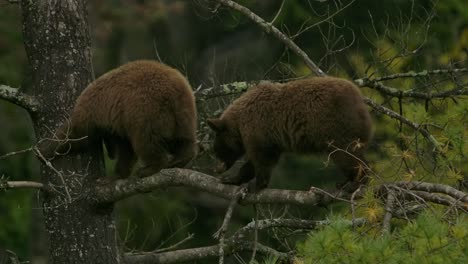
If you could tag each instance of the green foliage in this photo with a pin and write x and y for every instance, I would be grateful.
(428, 239)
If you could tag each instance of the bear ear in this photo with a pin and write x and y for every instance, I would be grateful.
(216, 124)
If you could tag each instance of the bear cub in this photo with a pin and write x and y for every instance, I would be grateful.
(143, 109)
(314, 115)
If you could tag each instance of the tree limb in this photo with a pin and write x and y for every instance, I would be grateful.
(434, 187)
(412, 75)
(23, 100)
(121, 189)
(271, 29)
(436, 145)
(410, 93)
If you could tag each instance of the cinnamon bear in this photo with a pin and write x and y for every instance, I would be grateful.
(314, 115)
(143, 109)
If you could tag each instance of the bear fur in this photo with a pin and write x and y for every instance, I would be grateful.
(314, 115)
(143, 109)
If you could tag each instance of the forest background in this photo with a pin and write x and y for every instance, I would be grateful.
(350, 39)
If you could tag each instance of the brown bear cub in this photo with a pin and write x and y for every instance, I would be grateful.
(143, 109)
(315, 115)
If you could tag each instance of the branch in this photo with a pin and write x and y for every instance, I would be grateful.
(427, 192)
(434, 187)
(413, 74)
(415, 126)
(184, 255)
(234, 244)
(5, 185)
(270, 29)
(121, 189)
(23, 100)
(410, 93)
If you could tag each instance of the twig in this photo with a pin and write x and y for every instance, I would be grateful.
(176, 245)
(49, 165)
(270, 29)
(15, 153)
(278, 13)
(23, 100)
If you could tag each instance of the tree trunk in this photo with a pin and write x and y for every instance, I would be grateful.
(57, 42)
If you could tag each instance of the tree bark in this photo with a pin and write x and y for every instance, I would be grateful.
(57, 43)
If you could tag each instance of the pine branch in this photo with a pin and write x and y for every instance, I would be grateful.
(23, 100)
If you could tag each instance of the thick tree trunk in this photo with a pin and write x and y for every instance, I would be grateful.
(58, 46)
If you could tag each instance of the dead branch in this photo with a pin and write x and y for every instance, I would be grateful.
(270, 29)
(423, 197)
(434, 188)
(412, 74)
(13, 153)
(18, 98)
(184, 255)
(5, 185)
(410, 93)
(236, 243)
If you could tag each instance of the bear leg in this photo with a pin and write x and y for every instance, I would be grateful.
(353, 166)
(263, 159)
(183, 150)
(246, 173)
(126, 159)
(154, 158)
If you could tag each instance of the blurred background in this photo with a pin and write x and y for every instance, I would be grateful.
(351, 39)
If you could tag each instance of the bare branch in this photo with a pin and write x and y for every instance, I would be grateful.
(184, 255)
(13, 153)
(434, 188)
(413, 74)
(270, 29)
(20, 184)
(233, 244)
(23, 100)
(410, 93)
(439, 199)
(121, 189)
